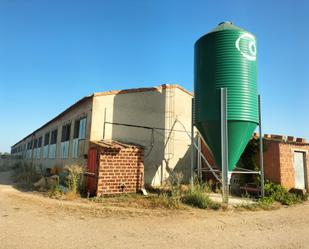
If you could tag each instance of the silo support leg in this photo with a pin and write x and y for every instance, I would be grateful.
(261, 150)
(224, 146)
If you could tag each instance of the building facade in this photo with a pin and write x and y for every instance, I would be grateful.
(286, 161)
(157, 118)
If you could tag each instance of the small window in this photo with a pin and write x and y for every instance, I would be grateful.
(40, 142)
(35, 143)
(82, 129)
(46, 139)
(53, 139)
(76, 128)
(66, 130)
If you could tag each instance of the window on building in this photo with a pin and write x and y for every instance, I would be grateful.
(79, 133)
(53, 144)
(35, 146)
(35, 143)
(40, 142)
(46, 143)
(46, 139)
(53, 139)
(66, 131)
(76, 128)
(82, 129)
(29, 150)
(65, 141)
(38, 150)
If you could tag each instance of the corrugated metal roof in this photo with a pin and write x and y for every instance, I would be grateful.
(115, 144)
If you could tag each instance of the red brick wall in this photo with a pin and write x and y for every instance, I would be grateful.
(287, 166)
(272, 161)
(279, 162)
(120, 167)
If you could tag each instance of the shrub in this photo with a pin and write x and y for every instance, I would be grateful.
(55, 190)
(275, 192)
(199, 199)
(74, 176)
(164, 200)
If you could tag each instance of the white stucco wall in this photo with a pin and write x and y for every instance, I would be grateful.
(150, 108)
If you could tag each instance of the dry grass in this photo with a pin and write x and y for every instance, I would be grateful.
(152, 201)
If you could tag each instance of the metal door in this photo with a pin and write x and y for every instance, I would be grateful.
(299, 165)
(92, 171)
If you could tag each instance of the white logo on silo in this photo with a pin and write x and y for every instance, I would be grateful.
(246, 46)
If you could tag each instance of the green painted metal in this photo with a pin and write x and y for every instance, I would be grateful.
(226, 58)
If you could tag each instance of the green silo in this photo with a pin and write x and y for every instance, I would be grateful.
(226, 58)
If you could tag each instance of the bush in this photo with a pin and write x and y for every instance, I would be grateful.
(74, 177)
(164, 200)
(199, 199)
(55, 190)
(275, 192)
(169, 196)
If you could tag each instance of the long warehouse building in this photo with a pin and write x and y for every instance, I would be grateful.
(157, 118)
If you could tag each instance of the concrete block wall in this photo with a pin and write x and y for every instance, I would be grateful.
(121, 170)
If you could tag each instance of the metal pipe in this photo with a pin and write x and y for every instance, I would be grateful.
(261, 149)
(199, 163)
(243, 169)
(224, 146)
(192, 144)
(246, 172)
(104, 123)
(209, 170)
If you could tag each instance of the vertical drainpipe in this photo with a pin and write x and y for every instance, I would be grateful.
(104, 123)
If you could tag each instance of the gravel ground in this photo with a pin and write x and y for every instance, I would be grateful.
(29, 220)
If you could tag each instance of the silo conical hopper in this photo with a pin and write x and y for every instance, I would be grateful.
(226, 58)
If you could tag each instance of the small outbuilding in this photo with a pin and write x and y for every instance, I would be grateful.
(114, 167)
(286, 161)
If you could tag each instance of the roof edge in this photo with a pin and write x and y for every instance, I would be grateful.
(143, 89)
(113, 92)
(79, 102)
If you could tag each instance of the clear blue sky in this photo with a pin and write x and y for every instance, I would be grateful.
(54, 52)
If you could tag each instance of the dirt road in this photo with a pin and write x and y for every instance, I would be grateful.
(32, 221)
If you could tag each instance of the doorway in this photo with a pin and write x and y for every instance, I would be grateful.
(300, 170)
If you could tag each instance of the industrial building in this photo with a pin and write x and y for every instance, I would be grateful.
(155, 118)
(153, 122)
